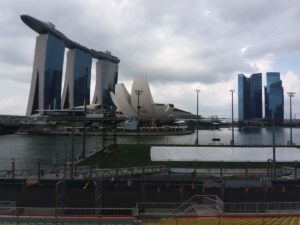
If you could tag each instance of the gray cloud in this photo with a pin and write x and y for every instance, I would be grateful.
(207, 42)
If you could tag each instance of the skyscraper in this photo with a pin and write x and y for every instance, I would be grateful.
(274, 97)
(46, 80)
(76, 90)
(249, 97)
(45, 91)
(106, 79)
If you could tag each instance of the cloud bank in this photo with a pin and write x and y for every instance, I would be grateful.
(179, 45)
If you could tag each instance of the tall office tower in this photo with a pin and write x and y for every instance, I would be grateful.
(106, 79)
(45, 90)
(76, 90)
(256, 96)
(249, 97)
(274, 102)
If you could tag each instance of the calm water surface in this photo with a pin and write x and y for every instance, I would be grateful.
(28, 149)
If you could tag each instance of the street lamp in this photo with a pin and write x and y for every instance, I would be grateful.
(291, 94)
(232, 130)
(86, 96)
(197, 121)
(72, 144)
(138, 93)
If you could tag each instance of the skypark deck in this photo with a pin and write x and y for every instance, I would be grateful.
(43, 28)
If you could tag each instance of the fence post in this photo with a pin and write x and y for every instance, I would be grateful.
(13, 161)
(195, 168)
(246, 169)
(221, 169)
(39, 171)
(98, 194)
(91, 172)
(295, 170)
(65, 171)
(60, 193)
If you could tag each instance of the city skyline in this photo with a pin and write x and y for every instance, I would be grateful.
(202, 47)
(250, 98)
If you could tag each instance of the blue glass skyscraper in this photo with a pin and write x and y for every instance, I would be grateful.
(78, 78)
(249, 97)
(274, 102)
(256, 96)
(47, 71)
(45, 90)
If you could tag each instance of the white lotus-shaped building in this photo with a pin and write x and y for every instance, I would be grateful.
(140, 92)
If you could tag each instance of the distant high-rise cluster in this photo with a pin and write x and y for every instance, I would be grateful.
(250, 97)
(46, 83)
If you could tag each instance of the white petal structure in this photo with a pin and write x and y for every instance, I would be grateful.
(128, 104)
(122, 100)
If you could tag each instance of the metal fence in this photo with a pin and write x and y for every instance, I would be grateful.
(67, 215)
(196, 205)
(263, 207)
(211, 205)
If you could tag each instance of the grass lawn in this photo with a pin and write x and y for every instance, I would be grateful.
(131, 155)
(126, 155)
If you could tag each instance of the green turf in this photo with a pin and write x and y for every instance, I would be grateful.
(131, 155)
(126, 155)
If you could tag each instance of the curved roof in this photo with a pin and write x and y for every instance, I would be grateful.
(43, 28)
(141, 84)
(128, 104)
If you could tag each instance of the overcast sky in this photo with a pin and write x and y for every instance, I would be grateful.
(179, 45)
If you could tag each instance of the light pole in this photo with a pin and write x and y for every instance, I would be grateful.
(197, 121)
(72, 144)
(84, 115)
(232, 130)
(291, 94)
(274, 145)
(138, 93)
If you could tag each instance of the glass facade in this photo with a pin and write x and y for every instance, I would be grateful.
(241, 98)
(53, 72)
(274, 101)
(110, 79)
(249, 97)
(82, 77)
(256, 96)
(106, 79)
(45, 90)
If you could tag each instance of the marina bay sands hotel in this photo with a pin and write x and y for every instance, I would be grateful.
(46, 83)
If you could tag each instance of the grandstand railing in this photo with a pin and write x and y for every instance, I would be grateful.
(81, 172)
(68, 215)
(196, 205)
(43, 211)
(263, 207)
(212, 202)
(212, 205)
(34, 215)
(7, 206)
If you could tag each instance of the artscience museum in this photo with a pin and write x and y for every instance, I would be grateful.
(140, 99)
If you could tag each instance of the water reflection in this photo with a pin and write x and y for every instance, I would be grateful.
(29, 149)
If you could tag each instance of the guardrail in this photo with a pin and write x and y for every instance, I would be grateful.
(196, 205)
(43, 211)
(82, 172)
(263, 207)
(211, 205)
